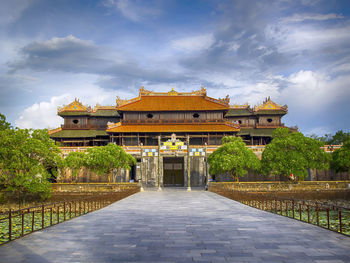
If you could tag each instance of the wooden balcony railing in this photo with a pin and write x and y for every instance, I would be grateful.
(172, 121)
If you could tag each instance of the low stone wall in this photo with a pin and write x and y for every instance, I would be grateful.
(278, 186)
(94, 187)
(315, 175)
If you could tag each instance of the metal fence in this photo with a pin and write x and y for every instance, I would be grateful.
(18, 223)
(323, 214)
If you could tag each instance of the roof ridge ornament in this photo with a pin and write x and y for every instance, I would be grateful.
(100, 107)
(225, 100)
(173, 92)
(268, 104)
(241, 106)
(76, 105)
(143, 91)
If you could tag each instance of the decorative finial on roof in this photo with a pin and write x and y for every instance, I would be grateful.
(225, 100)
(76, 105)
(143, 91)
(268, 104)
(172, 92)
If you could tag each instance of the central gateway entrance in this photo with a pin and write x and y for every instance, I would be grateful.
(173, 171)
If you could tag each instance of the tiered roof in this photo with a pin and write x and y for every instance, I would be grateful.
(179, 127)
(172, 101)
(239, 110)
(268, 107)
(76, 108)
(148, 101)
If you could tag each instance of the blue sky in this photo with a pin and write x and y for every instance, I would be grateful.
(296, 52)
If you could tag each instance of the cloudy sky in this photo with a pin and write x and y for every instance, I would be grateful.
(297, 52)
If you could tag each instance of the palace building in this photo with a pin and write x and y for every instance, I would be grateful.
(169, 133)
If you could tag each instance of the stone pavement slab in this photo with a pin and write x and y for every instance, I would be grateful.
(179, 226)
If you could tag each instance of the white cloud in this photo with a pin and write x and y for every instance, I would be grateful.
(255, 94)
(43, 114)
(134, 11)
(316, 98)
(308, 91)
(194, 43)
(298, 38)
(315, 17)
(59, 43)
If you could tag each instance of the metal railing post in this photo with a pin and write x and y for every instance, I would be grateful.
(42, 216)
(22, 232)
(10, 224)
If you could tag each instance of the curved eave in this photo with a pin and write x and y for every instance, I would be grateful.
(173, 103)
(270, 112)
(78, 134)
(73, 113)
(150, 128)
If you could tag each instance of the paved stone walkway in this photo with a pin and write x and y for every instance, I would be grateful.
(179, 226)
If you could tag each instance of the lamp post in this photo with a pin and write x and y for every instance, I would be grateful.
(188, 165)
(159, 170)
(141, 184)
(206, 164)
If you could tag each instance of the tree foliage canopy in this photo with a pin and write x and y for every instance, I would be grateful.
(341, 158)
(75, 161)
(293, 153)
(101, 159)
(104, 159)
(25, 158)
(338, 138)
(233, 157)
(4, 125)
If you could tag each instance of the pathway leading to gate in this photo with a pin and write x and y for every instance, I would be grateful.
(179, 226)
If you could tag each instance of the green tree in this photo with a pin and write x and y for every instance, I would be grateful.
(293, 153)
(25, 157)
(341, 158)
(322, 139)
(4, 125)
(104, 159)
(50, 154)
(75, 161)
(339, 137)
(233, 157)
